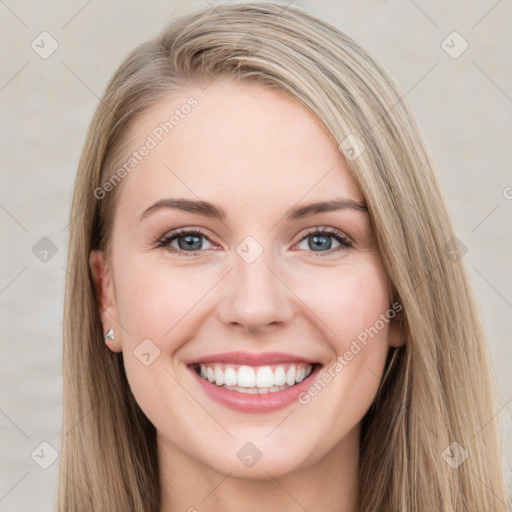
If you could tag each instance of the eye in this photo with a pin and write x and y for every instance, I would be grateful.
(188, 240)
(319, 239)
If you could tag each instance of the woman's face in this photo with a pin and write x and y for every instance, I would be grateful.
(256, 295)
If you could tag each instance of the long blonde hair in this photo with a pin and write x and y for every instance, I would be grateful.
(438, 388)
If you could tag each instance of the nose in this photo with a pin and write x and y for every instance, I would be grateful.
(256, 298)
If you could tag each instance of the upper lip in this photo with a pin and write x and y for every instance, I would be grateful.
(251, 359)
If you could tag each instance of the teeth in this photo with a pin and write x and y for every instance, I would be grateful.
(279, 376)
(253, 391)
(255, 380)
(290, 376)
(264, 377)
(219, 377)
(230, 376)
(246, 377)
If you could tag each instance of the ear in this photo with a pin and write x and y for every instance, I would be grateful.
(104, 290)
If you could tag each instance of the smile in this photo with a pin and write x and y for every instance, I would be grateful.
(253, 383)
(254, 380)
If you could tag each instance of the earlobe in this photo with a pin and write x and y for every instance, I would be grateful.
(104, 292)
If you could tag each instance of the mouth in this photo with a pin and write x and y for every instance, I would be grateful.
(255, 380)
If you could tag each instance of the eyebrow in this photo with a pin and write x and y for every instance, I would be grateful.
(210, 210)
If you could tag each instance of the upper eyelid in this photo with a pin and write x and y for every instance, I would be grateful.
(188, 231)
(324, 229)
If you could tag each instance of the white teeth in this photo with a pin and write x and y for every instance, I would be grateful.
(279, 376)
(230, 376)
(263, 379)
(246, 377)
(253, 391)
(219, 377)
(290, 376)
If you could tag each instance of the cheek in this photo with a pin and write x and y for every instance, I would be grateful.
(345, 300)
(157, 300)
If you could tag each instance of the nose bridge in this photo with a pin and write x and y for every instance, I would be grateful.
(255, 296)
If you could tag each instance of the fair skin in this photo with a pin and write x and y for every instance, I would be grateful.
(255, 153)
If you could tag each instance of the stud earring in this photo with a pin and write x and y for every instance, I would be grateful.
(109, 335)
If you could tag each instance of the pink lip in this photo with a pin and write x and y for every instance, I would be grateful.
(243, 402)
(249, 359)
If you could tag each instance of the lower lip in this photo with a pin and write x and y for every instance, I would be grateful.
(244, 402)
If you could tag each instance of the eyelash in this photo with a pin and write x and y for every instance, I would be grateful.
(329, 232)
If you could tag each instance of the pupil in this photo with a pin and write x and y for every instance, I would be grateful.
(317, 240)
(189, 242)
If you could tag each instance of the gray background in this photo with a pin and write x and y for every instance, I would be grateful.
(464, 105)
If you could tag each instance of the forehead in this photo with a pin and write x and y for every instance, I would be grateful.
(239, 143)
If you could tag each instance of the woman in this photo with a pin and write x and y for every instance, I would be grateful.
(216, 357)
